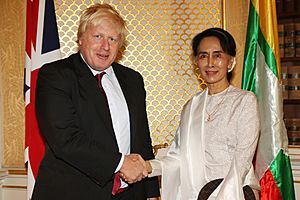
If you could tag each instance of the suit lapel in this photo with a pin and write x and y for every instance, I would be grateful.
(127, 89)
(89, 89)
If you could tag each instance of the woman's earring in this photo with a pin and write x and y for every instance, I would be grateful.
(232, 66)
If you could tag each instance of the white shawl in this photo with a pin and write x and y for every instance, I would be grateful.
(182, 165)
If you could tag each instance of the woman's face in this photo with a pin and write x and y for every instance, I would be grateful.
(213, 62)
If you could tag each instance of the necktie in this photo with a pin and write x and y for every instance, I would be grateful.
(117, 182)
(99, 77)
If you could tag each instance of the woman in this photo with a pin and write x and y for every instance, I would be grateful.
(218, 131)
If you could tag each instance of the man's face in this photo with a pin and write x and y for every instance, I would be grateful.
(99, 44)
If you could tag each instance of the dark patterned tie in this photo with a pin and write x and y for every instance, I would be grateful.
(117, 182)
(99, 77)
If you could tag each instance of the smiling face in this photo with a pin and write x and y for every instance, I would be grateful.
(99, 44)
(213, 63)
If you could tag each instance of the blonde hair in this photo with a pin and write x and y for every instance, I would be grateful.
(95, 14)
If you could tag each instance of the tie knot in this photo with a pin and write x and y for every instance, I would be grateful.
(99, 76)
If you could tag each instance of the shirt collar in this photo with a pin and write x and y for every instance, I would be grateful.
(108, 71)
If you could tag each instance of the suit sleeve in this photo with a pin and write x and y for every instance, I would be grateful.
(144, 143)
(60, 124)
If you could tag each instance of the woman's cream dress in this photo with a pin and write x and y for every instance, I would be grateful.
(206, 150)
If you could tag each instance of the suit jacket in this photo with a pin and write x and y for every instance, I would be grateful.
(81, 151)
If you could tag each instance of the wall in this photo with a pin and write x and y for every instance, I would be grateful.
(160, 34)
(159, 47)
(235, 21)
(12, 44)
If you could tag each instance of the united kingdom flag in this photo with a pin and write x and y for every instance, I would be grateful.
(42, 46)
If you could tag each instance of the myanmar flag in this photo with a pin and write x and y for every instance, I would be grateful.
(262, 76)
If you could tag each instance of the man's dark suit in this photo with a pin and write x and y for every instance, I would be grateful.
(81, 152)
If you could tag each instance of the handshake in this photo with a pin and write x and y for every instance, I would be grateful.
(134, 168)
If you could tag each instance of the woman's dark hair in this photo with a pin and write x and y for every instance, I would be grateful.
(226, 40)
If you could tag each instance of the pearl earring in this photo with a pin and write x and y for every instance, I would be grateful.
(232, 66)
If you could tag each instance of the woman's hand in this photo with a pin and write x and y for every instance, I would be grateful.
(148, 167)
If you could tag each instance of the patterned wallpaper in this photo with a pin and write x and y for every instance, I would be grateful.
(159, 47)
(160, 33)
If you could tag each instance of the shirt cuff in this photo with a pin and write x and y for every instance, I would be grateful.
(120, 163)
(156, 168)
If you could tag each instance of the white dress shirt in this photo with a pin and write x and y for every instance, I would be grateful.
(118, 111)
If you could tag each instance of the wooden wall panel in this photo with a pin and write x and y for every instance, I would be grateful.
(235, 21)
(12, 35)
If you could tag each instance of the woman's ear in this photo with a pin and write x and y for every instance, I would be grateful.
(232, 65)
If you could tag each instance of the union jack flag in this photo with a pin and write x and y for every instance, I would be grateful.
(42, 46)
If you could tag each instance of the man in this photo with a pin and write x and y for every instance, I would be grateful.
(91, 126)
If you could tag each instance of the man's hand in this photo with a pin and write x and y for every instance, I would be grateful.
(133, 168)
